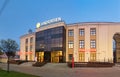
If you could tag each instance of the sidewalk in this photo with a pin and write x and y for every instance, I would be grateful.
(45, 71)
(61, 70)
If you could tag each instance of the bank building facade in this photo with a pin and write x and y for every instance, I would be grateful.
(55, 41)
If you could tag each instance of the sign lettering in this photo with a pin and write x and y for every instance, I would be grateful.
(48, 22)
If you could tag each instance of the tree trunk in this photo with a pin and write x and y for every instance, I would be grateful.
(8, 64)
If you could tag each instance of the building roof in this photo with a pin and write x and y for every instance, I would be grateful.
(3, 56)
(29, 34)
(92, 23)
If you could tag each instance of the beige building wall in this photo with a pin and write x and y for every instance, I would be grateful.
(104, 40)
(75, 38)
(23, 45)
(106, 32)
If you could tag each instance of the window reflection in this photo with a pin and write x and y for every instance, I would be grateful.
(51, 39)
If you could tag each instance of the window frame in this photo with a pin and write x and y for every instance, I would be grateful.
(26, 41)
(93, 56)
(26, 48)
(81, 44)
(31, 47)
(31, 39)
(92, 31)
(70, 44)
(92, 43)
(82, 32)
(70, 32)
(70, 56)
(81, 57)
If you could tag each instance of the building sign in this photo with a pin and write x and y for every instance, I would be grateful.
(38, 25)
(51, 21)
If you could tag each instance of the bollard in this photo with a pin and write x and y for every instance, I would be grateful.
(72, 62)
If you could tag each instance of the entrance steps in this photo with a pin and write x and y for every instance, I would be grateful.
(47, 65)
(55, 65)
(27, 64)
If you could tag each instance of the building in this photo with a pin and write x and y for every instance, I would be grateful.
(50, 43)
(27, 47)
(3, 58)
(55, 41)
(91, 41)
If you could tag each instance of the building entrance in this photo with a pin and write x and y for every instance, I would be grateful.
(54, 56)
(47, 56)
(40, 56)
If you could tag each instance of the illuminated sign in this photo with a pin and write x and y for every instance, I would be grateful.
(38, 25)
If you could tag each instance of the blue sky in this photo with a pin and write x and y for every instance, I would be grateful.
(20, 15)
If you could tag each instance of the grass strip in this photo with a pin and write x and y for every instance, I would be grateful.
(4, 73)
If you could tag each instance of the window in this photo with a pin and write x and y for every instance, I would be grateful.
(93, 31)
(93, 44)
(31, 39)
(93, 56)
(26, 41)
(70, 44)
(81, 57)
(30, 57)
(26, 57)
(26, 48)
(70, 33)
(70, 56)
(81, 32)
(31, 47)
(81, 44)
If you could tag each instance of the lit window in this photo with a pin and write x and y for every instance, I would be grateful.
(93, 56)
(81, 32)
(93, 31)
(70, 44)
(81, 44)
(82, 57)
(93, 44)
(70, 33)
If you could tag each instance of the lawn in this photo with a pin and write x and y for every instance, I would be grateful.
(14, 74)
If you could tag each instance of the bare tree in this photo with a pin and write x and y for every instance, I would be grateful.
(9, 46)
(1, 51)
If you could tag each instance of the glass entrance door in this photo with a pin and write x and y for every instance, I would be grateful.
(56, 56)
(40, 56)
(47, 56)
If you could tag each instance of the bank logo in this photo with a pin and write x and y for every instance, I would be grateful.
(38, 25)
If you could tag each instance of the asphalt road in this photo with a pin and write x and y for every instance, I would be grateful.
(61, 70)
